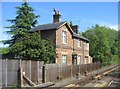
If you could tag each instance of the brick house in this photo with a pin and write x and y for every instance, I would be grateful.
(71, 47)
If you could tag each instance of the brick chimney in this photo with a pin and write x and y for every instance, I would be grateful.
(75, 28)
(56, 16)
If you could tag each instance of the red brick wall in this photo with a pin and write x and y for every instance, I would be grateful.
(56, 37)
(79, 50)
(86, 51)
(64, 48)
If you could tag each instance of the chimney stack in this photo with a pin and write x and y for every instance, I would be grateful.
(75, 28)
(56, 16)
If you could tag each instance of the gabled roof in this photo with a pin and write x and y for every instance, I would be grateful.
(48, 26)
(57, 25)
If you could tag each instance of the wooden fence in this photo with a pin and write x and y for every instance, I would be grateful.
(36, 72)
(57, 72)
(32, 70)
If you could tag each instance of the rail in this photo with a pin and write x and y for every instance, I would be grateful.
(91, 78)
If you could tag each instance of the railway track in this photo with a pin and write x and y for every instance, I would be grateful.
(106, 78)
(115, 82)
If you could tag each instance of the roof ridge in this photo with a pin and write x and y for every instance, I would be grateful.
(47, 26)
(52, 23)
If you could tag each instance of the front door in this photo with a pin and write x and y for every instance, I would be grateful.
(74, 59)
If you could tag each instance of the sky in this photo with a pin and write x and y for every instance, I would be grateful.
(84, 14)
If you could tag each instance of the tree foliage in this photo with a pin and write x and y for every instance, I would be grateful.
(25, 19)
(71, 23)
(33, 47)
(27, 45)
(3, 50)
(103, 43)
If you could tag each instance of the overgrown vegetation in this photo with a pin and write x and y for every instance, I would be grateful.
(103, 43)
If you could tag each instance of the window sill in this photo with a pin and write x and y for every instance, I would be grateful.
(64, 43)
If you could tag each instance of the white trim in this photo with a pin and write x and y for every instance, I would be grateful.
(79, 59)
(64, 58)
(79, 43)
(64, 37)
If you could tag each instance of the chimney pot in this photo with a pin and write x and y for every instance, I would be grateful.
(58, 12)
(56, 17)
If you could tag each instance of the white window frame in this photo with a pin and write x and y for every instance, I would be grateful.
(78, 60)
(79, 43)
(64, 37)
(64, 59)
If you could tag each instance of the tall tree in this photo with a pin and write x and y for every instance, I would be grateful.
(28, 45)
(102, 42)
(23, 22)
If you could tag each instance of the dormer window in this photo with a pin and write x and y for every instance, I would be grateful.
(64, 37)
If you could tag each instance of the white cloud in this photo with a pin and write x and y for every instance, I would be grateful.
(112, 26)
(100, 22)
(107, 24)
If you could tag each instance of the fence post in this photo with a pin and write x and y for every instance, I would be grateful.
(20, 76)
(97, 65)
(6, 73)
(38, 70)
(91, 67)
(71, 71)
(30, 68)
(43, 74)
(79, 68)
